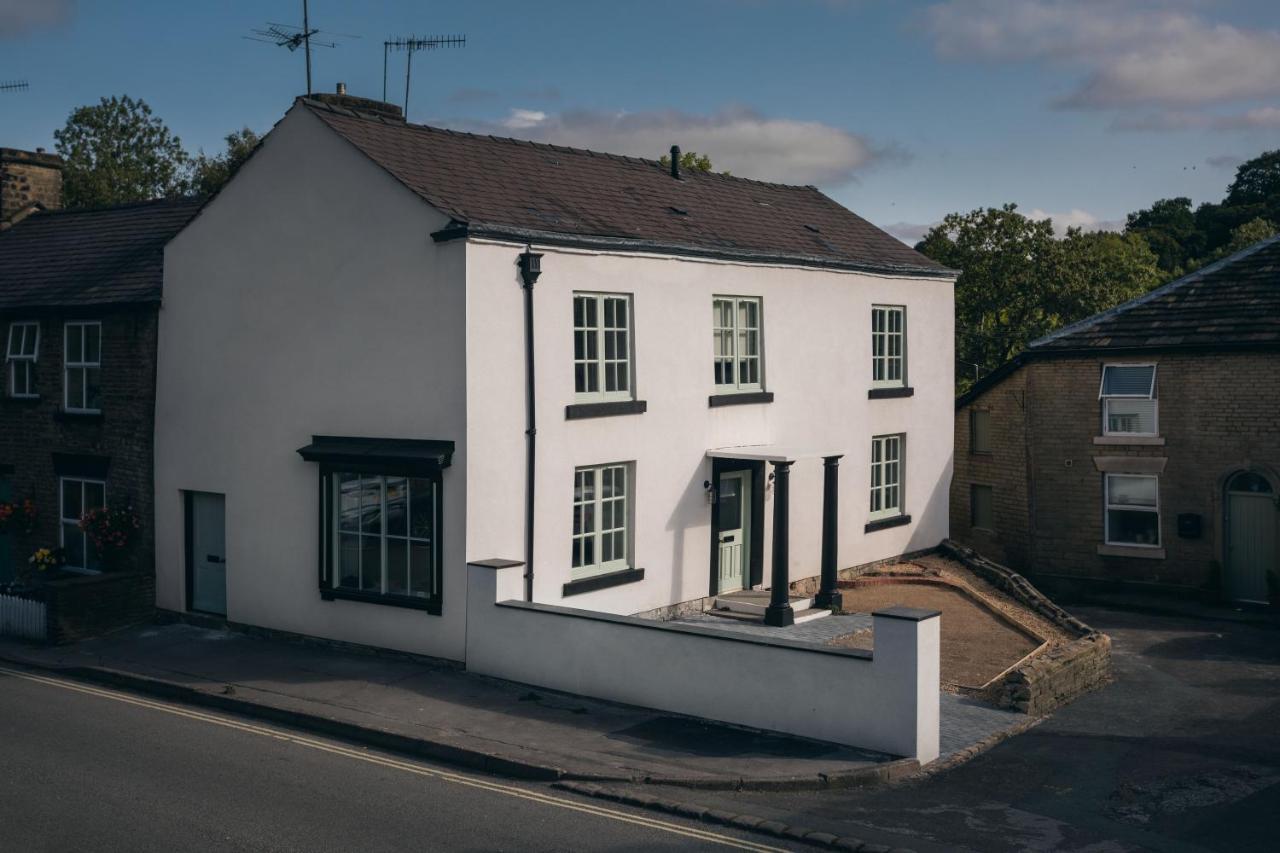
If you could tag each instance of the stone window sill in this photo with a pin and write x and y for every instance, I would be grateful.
(739, 399)
(78, 417)
(886, 523)
(580, 411)
(1139, 551)
(32, 400)
(1147, 440)
(889, 393)
(592, 584)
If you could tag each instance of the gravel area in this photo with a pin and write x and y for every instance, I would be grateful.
(976, 645)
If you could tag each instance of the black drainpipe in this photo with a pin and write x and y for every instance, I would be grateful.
(530, 268)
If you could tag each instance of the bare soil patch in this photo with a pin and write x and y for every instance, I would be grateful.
(976, 644)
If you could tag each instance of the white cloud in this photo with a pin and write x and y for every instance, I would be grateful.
(908, 232)
(1154, 54)
(1076, 218)
(736, 139)
(18, 17)
(1255, 118)
(524, 119)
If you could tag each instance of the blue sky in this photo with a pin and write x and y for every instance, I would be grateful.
(901, 111)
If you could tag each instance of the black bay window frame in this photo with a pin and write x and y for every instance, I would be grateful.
(328, 518)
(387, 458)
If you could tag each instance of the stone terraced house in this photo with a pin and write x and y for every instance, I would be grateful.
(1139, 446)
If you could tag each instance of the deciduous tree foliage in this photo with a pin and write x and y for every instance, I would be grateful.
(117, 151)
(1019, 282)
(208, 174)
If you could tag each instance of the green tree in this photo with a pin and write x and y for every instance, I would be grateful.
(1170, 229)
(1245, 235)
(210, 173)
(117, 151)
(1257, 181)
(1018, 282)
(690, 161)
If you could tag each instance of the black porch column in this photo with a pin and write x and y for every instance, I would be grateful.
(778, 613)
(828, 593)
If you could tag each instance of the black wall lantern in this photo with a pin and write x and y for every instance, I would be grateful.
(530, 267)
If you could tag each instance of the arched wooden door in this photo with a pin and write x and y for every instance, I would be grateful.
(1253, 516)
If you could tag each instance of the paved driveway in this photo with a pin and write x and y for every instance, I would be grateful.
(1182, 752)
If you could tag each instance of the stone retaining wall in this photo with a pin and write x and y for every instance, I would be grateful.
(1050, 680)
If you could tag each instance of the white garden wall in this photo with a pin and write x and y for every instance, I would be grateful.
(886, 701)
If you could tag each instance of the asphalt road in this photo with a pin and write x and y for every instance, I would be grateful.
(1180, 753)
(84, 768)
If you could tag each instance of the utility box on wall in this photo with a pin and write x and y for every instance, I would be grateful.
(1189, 525)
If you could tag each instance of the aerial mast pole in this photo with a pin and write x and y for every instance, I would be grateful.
(306, 41)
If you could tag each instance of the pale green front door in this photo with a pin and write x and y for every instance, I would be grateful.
(1253, 516)
(733, 518)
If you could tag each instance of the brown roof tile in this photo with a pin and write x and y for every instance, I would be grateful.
(516, 188)
(1235, 301)
(90, 257)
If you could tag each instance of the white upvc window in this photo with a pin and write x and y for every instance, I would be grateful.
(601, 520)
(22, 352)
(736, 323)
(888, 346)
(1129, 404)
(1132, 509)
(886, 476)
(82, 350)
(76, 497)
(602, 347)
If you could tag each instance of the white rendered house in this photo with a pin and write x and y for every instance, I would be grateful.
(388, 350)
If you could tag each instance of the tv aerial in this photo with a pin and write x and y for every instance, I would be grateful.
(12, 85)
(411, 45)
(293, 37)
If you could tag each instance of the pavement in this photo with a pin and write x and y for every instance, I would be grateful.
(92, 769)
(436, 710)
(1180, 753)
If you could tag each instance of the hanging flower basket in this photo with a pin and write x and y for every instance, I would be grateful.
(114, 532)
(19, 516)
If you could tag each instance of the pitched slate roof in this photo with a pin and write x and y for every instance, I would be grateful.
(492, 186)
(1231, 304)
(1234, 302)
(90, 257)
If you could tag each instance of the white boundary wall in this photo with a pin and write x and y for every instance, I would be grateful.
(887, 701)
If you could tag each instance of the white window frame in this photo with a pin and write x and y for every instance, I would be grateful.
(880, 485)
(1107, 507)
(26, 361)
(1150, 395)
(600, 334)
(579, 568)
(63, 520)
(735, 357)
(385, 537)
(84, 365)
(883, 340)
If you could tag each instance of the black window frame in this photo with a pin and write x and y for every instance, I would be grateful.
(330, 592)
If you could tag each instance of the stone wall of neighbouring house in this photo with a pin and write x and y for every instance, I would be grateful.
(1060, 674)
(32, 431)
(1217, 415)
(91, 605)
(26, 177)
(1004, 468)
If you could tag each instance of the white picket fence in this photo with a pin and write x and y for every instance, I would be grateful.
(21, 617)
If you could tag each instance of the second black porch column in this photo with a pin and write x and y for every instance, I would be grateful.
(828, 593)
(779, 613)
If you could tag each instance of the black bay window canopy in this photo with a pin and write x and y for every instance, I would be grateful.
(406, 456)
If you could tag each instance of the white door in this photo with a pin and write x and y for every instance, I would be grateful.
(1253, 516)
(733, 517)
(208, 553)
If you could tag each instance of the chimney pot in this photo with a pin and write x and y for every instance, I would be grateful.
(342, 88)
(39, 150)
(675, 162)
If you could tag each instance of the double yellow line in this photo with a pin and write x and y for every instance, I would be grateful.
(396, 764)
